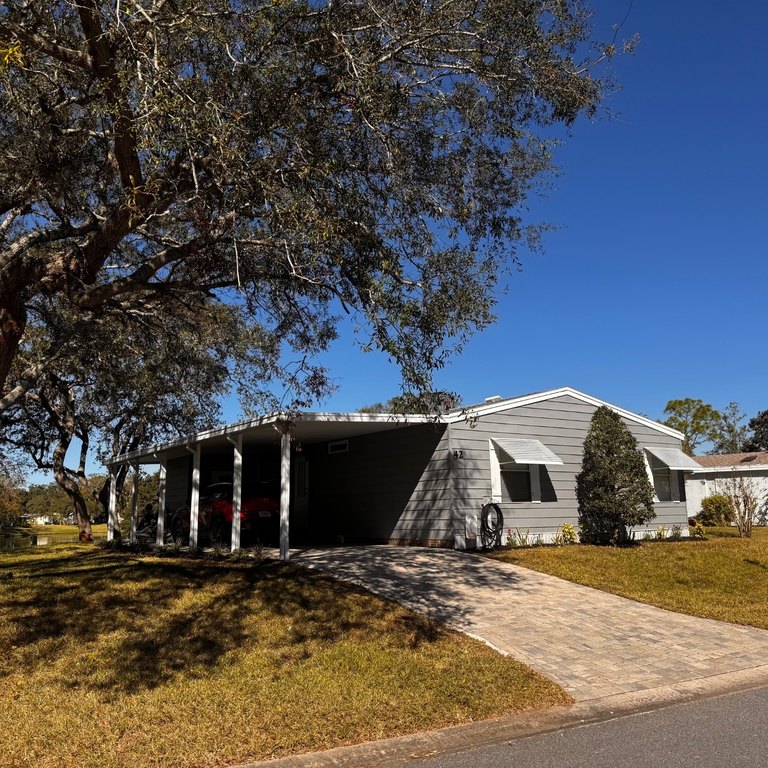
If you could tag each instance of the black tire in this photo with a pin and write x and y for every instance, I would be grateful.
(177, 530)
(217, 532)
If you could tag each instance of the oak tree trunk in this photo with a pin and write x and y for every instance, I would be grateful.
(13, 320)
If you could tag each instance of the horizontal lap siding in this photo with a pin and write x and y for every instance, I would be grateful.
(561, 424)
(669, 513)
(389, 485)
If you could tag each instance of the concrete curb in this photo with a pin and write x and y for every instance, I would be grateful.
(395, 751)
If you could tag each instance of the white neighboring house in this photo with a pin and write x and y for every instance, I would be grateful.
(37, 519)
(716, 470)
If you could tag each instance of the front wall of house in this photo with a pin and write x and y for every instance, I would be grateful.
(387, 486)
(561, 424)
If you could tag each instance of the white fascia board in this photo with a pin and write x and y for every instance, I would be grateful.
(538, 397)
(733, 468)
(189, 440)
(369, 418)
(273, 418)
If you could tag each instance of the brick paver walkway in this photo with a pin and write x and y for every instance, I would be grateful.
(592, 643)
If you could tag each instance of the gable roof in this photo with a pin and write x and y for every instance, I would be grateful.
(329, 426)
(505, 404)
(757, 460)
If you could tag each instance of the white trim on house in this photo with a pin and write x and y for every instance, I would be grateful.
(473, 411)
(343, 420)
(383, 420)
(741, 468)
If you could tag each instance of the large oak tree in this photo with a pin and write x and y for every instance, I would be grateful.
(169, 166)
(300, 157)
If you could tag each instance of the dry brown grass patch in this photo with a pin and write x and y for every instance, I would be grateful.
(114, 659)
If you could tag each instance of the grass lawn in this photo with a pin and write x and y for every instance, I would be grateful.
(100, 530)
(114, 659)
(722, 578)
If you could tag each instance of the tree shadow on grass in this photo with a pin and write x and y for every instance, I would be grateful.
(127, 623)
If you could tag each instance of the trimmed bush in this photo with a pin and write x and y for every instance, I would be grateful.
(716, 510)
(612, 489)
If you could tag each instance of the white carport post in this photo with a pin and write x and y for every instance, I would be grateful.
(112, 524)
(160, 538)
(237, 489)
(194, 506)
(134, 503)
(285, 490)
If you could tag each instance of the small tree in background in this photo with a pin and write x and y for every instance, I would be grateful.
(733, 434)
(10, 503)
(758, 433)
(747, 498)
(612, 489)
(698, 421)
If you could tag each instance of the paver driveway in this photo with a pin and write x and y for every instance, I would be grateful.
(592, 643)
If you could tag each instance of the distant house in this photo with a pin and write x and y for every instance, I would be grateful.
(714, 471)
(413, 479)
(37, 519)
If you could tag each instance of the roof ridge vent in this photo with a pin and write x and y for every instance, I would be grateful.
(493, 399)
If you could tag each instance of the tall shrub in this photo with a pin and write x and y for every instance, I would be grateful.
(612, 489)
(716, 510)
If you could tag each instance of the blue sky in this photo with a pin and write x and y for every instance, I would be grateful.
(654, 285)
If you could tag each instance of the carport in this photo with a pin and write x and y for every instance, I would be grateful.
(285, 437)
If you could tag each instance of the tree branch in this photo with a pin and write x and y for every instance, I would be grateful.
(103, 60)
(39, 43)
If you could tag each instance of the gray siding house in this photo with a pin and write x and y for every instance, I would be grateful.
(414, 479)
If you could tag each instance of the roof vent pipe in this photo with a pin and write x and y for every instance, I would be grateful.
(493, 399)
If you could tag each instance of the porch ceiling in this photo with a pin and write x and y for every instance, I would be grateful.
(309, 428)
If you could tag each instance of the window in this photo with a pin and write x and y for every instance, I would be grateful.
(666, 469)
(516, 482)
(338, 446)
(516, 469)
(662, 483)
(668, 484)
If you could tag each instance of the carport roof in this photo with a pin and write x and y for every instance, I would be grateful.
(309, 427)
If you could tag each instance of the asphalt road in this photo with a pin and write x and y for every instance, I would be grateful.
(724, 732)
